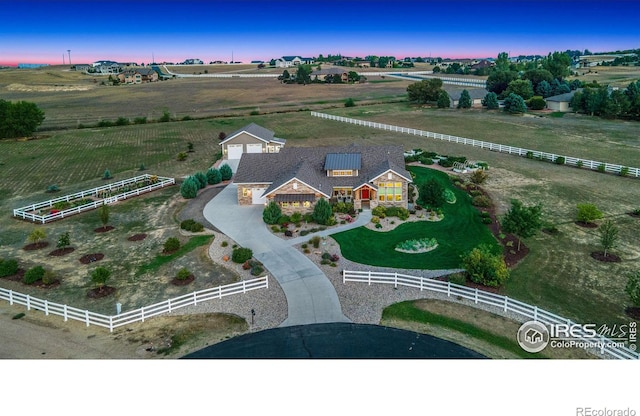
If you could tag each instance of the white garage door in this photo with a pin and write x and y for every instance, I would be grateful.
(256, 196)
(234, 151)
(254, 148)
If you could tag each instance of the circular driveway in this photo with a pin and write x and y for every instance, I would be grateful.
(335, 340)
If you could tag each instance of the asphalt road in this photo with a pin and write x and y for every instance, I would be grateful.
(333, 341)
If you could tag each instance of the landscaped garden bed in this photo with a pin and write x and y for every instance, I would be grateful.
(64, 206)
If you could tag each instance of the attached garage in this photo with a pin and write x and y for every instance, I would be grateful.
(256, 196)
(234, 151)
(254, 147)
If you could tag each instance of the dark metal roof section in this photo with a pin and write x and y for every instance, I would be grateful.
(295, 197)
(343, 161)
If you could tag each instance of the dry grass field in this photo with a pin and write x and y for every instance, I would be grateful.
(616, 76)
(558, 275)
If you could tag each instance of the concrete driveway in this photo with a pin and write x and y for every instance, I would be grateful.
(311, 298)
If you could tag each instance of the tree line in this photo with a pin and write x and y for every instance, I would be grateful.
(19, 119)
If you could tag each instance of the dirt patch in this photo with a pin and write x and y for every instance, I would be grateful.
(101, 292)
(633, 214)
(91, 258)
(609, 258)
(36, 246)
(61, 251)
(104, 229)
(137, 237)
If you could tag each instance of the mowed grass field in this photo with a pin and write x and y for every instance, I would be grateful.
(558, 275)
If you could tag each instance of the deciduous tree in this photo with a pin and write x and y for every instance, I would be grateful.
(608, 236)
(522, 221)
(19, 119)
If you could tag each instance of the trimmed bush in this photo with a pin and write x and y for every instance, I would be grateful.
(587, 213)
(256, 270)
(226, 172)
(484, 267)
(315, 241)
(183, 274)
(379, 211)
(34, 274)
(214, 176)
(172, 244)
(241, 254)
(559, 160)
(107, 174)
(192, 226)
(481, 201)
(272, 213)
(189, 188)
(8, 267)
(202, 179)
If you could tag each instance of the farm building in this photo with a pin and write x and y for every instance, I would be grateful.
(560, 102)
(476, 94)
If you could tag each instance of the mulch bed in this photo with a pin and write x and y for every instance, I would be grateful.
(633, 214)
(609, 258)
(36, 246)
(61, 251)
(183, 282)
(510, 242)
(101, 292)
(137, 237)
(586, 224)
(633, 312)
(104, 229)
(91, 258)
(51, 285)
(18, 277)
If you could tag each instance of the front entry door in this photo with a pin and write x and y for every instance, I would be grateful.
(365, 194)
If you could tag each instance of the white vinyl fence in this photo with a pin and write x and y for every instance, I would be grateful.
(529, 153)
(506, 304)
(467, 82)
(138, 315)
(32, 212)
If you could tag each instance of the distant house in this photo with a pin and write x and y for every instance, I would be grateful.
(323, 73)
(288, 61)
(476, 94)
(252, 138)
(81, 67)
(560, 102)
(192, 61)
(296, 178)
(138, 76)
(483, 64)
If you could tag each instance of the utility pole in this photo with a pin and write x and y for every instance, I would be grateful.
(69, 52)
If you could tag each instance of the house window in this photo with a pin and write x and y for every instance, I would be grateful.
(295, 185)
(390, 191)
(246, 192)
(284, 204)
(296, 204)
(306, 204)
(343, 173)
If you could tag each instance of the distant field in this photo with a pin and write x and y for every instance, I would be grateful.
(616, 76)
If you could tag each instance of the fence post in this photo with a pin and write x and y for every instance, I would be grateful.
(66, 316)
(169, 304)
(86, 316)
(28, 303)
(11, 297)
(46, 307)
(369, 277)
(110, 323)
(476, 299)
(395, 280)
(343, 276)
(195, 299)
(244, 286)
(535, 313)
(448, 289)
(142, 313)
(506, 299)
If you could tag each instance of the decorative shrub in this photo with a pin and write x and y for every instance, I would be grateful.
(587, 213)
(189, 188)
(375, 219)
(172, 244)
(559, 160)
(486, 220)
(213, 176)
(107, 174)
(8, 267)
(419, 244)
(457, 279)
(579, 163)
(48, 277)
(182, 156)
(322, 212)
(202, 179)
(226, 172)
(284, 220)
(529, 155)
(378, 225)
(33, 275)
(192, 226)
(624, 171)
(224, 244)
(257, 270)
(271, 213)
(315, 241)
(183, 274)
(296, 218)
(241, 254)
(53, 188)
(288, 233)
(601, 168)
(379, 211)
(484, 267)
(481, 201)
(449, 196)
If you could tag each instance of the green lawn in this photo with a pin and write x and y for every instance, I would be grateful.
(460, 231)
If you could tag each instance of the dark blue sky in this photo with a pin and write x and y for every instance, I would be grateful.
(43, 31)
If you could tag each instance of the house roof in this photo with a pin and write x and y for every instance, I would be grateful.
(561, 97)
(474, 93)
(308, 165)
(290, 58)
(259, 132)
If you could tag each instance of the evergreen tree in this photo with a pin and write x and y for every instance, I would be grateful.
(213, 176)
(271, 213)
(465, 100)
(322, 212)
(189, 188)
(443, 100)
(226, 172)
(490, 101)
(514, 104)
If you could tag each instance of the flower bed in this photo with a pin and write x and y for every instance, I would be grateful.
(420, 245)
(64, 206)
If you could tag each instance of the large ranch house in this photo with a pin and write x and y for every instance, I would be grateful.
(297, 177)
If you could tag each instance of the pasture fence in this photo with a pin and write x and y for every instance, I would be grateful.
(501, 148)
(137, 315)
(505, 304)
(30, 212)
(467, 82)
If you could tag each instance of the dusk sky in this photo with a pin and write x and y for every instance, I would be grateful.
(137, 31)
